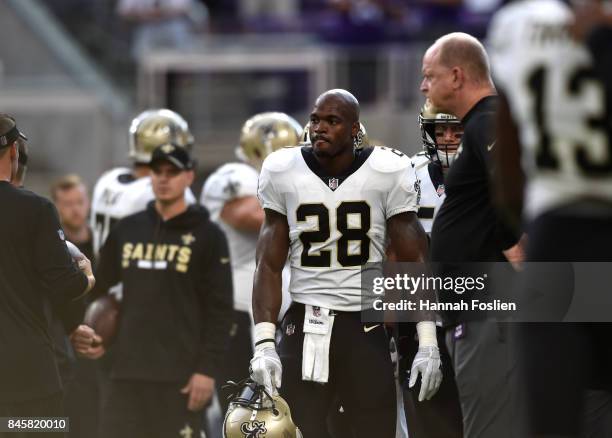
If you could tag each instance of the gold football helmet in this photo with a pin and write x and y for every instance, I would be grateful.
(156, 127)
(360, 141)
(264, 133)
(429, 118)
(256, 414)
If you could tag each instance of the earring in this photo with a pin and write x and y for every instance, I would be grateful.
(358, 140)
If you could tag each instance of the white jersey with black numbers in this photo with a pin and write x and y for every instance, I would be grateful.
(556, 102)
(335, 224)
(232, 181)
(118, 194)
(429, 185)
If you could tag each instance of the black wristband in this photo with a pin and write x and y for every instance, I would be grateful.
(264, 340)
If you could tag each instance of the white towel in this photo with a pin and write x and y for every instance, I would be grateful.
(318, 323)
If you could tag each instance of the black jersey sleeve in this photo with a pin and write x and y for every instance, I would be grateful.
(59, 273)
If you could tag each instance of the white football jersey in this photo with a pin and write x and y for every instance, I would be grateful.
(118, 194)
(557, 104)
(338, 225)
(232, 181)
(429, 185)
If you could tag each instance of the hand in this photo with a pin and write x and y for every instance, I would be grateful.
(427, 362)
(200, 389)
(266, 368)
(83, 263)
(588, 14)
(516, 254)
(87, 343)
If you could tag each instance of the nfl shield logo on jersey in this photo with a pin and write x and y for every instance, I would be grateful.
(316, 311)
(333, 183)
(440, 190)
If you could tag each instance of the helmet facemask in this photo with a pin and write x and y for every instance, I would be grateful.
(441, 152)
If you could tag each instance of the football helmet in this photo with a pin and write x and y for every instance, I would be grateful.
(156, 127)
(360, 141)
(264, 133)
(429, 118)
(256, 414)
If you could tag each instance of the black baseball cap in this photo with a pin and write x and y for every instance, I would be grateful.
(176, 155)
(9, 133)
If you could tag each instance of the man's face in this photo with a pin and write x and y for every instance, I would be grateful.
(437, 84)
(73, 206)
(169, 182)
(448, 136)
(330, 130)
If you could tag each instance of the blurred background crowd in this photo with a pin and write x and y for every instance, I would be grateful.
(76, 72)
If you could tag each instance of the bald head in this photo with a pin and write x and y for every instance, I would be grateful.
(462, 50)
(350, 104)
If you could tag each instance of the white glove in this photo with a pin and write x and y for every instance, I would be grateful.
(266, 368)
(426, 362)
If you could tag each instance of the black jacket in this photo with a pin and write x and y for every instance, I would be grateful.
(177, 295)
(35, 270)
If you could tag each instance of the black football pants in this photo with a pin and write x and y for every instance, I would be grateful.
(360, 377)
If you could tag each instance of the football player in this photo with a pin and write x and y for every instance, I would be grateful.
(441, 135)
(330, 206)
(122, 191)
(555, 130)
(230, 195)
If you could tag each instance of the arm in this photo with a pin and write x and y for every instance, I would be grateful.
(61, 277)
(508, 179)
(244, 214)
(54, 263)
(217, 307)
(272, 250)
(409, 243)
(495, 135)
(216, 291)
(407, 238)
(593, 25)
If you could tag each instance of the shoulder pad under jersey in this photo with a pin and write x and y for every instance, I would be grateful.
(281, 159)
(112, 176)
(388, 160)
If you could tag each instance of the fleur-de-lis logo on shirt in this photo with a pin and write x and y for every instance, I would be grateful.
(188, 239)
